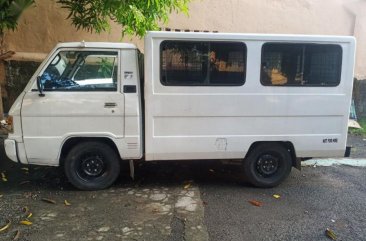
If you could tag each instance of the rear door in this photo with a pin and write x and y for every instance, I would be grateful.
(82, 98)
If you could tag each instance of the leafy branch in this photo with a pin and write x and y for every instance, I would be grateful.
(135, 16)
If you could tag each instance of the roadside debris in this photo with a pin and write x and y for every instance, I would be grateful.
(255, 203)
(276, 196)
(48, 200)
(330, 234)
(24, 182)
(3, 177)
(17, 235)
(188, 184)
(7, 225)
(26, 222)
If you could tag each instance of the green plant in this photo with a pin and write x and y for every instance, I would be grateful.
(10, 11)
(362, 131)
(106, 67)
(135, 16)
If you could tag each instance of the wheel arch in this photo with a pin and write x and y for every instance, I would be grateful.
(70, 142)
(287, 144)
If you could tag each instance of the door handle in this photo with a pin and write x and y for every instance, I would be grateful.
(110, 105)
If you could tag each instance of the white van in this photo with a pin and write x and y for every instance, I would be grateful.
(266, 100)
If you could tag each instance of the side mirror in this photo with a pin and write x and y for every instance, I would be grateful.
(40, 86)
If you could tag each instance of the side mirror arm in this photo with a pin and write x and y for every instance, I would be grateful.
(40, 86)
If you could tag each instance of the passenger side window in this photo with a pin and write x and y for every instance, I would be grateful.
(286, 64)
(82, 71)
(197, 63)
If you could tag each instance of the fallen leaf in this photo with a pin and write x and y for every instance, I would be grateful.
(255, 203)
(48, 200)
(26, 222)
(3, 177)
(30, 215)
(187, 186)
(7, 225)
(276, 196)
(67, 203)
(25, 209)
(330, 234)
(24, 182)
(17, 235)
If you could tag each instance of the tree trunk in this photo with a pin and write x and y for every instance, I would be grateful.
(2, 71)
(2, 81)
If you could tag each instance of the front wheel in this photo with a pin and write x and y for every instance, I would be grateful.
(92, 166)
(267, 165)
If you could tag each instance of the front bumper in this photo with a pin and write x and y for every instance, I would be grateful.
(15, 151)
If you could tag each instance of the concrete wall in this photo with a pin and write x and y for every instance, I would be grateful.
(359, 94)
(43, 26)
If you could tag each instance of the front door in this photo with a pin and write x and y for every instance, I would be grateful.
(82, 98)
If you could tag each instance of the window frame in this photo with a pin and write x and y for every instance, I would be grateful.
(245, 58)
(302, 44)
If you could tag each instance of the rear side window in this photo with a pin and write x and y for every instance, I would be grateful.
(197, 63)
(285, 64)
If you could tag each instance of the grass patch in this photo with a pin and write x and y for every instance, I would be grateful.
(361, 132)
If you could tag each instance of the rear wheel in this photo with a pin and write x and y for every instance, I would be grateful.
(92, 166)
(267, 165)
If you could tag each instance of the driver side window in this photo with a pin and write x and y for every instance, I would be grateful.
(82, 71)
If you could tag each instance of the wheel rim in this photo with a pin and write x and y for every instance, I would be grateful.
(91, 166)
(267, 164)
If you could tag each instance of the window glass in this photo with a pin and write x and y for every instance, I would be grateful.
(82, 71)
(185, 63)
(301, 64)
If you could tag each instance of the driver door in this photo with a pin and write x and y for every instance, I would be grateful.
(82, 97)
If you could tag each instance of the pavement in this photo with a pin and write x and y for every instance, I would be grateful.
(183, 201)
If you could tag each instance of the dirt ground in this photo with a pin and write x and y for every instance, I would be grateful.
(168, 201)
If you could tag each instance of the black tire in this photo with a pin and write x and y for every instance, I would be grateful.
(267, 165)
(92, 166)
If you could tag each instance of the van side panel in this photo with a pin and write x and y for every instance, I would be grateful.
(219, 122)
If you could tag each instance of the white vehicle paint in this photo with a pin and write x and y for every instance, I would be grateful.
(185, 121)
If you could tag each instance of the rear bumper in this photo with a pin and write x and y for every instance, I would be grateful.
(15, 151)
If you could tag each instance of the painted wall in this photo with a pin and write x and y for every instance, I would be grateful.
(42, 27)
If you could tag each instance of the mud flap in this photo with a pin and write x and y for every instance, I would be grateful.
(297, 163)
(132, 169)
(347, 153)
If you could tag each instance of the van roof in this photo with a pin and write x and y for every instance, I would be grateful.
(249, 36)
(103, 45)
(212, 36)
